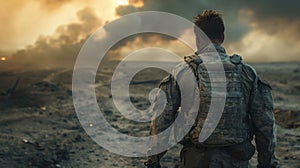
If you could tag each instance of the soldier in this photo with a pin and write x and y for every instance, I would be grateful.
(248, 111)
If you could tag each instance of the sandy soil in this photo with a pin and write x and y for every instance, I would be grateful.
(39, 127)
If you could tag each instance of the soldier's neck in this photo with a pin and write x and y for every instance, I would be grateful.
(216, 41)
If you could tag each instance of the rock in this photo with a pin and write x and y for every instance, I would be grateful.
(25, 140)
(115, 164)
(60, 97)
(46, 86)
(78, 138)
(297, 87)
(108, 112)
(69, 92)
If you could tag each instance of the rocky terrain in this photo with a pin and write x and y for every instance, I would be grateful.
(39, 126)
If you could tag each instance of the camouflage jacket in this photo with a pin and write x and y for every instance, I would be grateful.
(260, 109)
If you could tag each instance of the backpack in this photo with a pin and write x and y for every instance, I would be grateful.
(233, 127)
(242, 109)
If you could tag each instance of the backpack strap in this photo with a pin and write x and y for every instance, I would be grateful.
(193, 61)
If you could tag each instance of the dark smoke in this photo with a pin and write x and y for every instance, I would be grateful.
(267, 11)
(61, 49)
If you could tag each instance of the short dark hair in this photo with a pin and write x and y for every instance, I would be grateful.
(211, 23)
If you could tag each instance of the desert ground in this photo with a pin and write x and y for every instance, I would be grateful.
(39, 126)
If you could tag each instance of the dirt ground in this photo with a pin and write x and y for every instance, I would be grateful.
(39, 126)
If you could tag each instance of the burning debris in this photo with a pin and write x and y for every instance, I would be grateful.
(3, 58)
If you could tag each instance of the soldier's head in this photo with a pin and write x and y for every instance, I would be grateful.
(211, 23)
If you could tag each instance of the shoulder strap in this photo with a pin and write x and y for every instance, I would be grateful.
(193, 61)
(236, 59)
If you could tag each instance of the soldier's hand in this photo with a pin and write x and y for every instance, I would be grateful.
(151, 164)
(188, 59)
(193, 59)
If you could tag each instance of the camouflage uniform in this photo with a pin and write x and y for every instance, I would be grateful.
(260, 124)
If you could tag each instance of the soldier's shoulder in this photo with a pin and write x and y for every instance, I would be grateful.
(250, 71)
(166, 80)
(180, 69)
(265, 83)
(238, 60)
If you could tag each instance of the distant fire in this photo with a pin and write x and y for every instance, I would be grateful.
(3, 58)
(137, 3)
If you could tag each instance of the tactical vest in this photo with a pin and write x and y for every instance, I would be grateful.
(233, 127)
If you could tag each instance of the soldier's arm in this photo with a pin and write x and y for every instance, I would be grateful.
(165, 119)
(263, 122)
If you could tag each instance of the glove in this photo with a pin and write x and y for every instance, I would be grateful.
(193, 59)
(151, 164)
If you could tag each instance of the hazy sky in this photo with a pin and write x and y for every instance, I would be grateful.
(260, 31)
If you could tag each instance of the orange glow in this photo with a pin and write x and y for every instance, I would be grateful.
(3, 59)
(137, 3)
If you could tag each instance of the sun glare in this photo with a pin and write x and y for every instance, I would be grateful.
(122, 2)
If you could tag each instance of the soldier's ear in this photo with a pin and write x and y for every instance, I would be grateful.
(222, 38)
